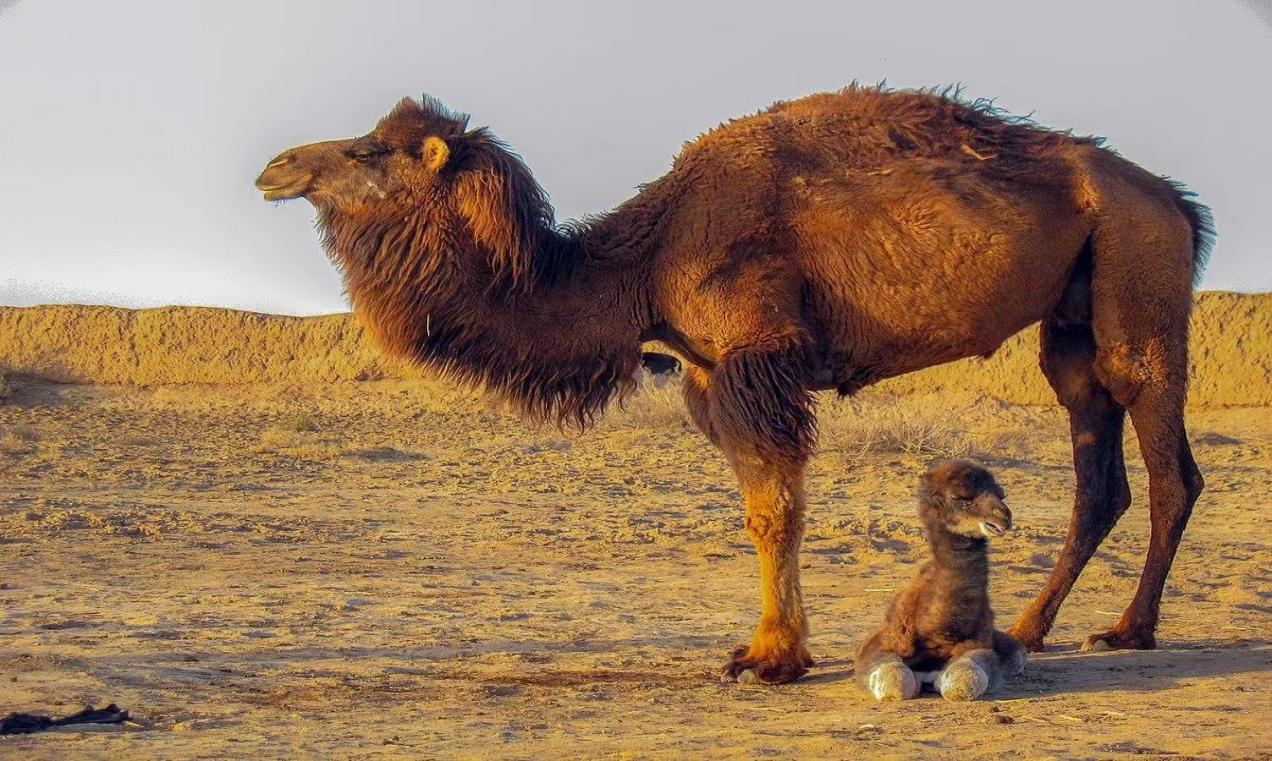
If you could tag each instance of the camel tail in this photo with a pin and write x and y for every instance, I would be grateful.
(1202, 222)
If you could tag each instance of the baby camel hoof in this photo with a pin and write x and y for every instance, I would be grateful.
(962, 680)
(1013, 663)
(893, 681)
(1115, 640)
(747, 669)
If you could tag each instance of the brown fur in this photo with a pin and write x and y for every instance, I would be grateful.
(825, 243)
(944, 612)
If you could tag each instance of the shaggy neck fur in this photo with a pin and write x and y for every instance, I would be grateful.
(961, 568)
(560, 341)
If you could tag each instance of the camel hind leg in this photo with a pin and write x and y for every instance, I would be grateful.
(1141, 298)
(1101, 493)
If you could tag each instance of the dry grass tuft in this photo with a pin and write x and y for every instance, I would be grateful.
(16, 441)
(922, 427)
(297, 434)
(298, 422)
(299, 445)
(858, 428)
(658, 404)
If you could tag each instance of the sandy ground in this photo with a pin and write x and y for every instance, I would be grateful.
(393, 570)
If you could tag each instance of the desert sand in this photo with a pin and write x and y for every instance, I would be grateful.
(394, 568)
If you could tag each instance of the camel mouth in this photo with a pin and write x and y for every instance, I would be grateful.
(989, 528)
(283, 191)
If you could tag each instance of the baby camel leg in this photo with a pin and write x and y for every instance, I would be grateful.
(1011, 655)
(884, 674)
(968, 676)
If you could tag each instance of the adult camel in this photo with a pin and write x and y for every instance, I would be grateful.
(824, 243)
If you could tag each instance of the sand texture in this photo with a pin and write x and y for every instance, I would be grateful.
(399, 570)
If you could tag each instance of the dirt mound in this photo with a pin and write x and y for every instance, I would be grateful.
(179, 345)
(1231, 351)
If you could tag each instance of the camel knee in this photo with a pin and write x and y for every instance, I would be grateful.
(1099, 516)
(773, 533)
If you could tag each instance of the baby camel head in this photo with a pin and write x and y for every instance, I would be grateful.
(963, 499)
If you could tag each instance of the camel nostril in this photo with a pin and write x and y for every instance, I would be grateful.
(280, 161)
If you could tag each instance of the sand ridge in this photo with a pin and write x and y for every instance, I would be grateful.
(1231, 352)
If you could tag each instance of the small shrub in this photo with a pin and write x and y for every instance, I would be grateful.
(17, 440)
(923, 426)
(858, 428)
(298, 422)
(298, 435)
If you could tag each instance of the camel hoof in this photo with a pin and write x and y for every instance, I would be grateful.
(893, 681)
(1114, 640)
(743, 668)
(962, 680)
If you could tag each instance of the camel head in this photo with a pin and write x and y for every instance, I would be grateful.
(419, 168)
(963, 499)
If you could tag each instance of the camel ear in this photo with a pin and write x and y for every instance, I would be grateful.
(435, 153)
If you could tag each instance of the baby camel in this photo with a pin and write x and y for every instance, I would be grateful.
(940, 628)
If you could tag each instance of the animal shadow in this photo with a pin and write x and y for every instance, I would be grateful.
(1169, 666)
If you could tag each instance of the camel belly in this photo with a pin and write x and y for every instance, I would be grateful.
(902, 281)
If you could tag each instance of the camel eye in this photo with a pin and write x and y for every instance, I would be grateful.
(365, 153)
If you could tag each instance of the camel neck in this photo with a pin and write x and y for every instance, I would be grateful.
(960, 561)
(559, 348)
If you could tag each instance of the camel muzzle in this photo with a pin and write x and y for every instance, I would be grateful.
(997, 516)
(283, 180)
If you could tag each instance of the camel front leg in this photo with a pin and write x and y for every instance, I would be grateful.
(760, 413)
(774, 496)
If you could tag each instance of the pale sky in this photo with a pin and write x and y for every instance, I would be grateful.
(131, 131)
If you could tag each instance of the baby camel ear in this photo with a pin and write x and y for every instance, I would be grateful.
(435, 153)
